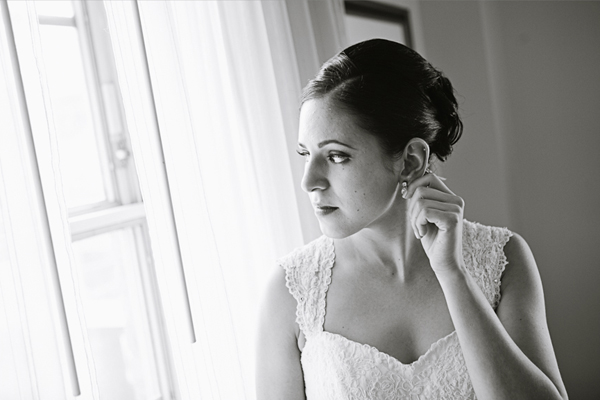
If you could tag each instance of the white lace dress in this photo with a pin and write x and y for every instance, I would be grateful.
(338, 368)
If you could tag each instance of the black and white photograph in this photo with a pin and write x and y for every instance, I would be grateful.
(299, 199)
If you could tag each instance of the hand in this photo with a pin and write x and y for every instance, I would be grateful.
(436, 216)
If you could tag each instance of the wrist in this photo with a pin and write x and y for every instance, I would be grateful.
(456, 275)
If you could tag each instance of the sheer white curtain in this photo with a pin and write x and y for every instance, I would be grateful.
(36, 342)
(210, 91)
(219, 128)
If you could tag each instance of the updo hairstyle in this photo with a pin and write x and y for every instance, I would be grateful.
(393, 93)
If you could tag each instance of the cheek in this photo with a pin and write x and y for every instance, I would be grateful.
(371, 192)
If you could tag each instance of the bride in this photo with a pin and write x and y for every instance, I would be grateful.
(401, 298)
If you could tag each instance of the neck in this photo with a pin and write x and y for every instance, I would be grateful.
(388, 248)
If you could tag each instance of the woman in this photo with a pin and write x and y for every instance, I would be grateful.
(400, 299)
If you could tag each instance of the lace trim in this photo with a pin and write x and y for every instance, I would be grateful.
(483, 252)
(308, 275)
(496, 275)
(292, 282)
(321, 305)
(435, 349)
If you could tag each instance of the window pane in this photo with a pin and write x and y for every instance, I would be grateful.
(56, 8)
(117, 321)
(85, 178)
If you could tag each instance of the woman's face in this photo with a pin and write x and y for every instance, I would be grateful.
(351, 183)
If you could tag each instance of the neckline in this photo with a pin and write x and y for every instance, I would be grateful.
(435, 348)
(372, 349)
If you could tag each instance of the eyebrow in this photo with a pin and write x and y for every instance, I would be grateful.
(326, 142)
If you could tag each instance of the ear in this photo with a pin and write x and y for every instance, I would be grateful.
(415, 160)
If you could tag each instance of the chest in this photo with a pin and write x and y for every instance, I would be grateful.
(402, 320)
(336, 368)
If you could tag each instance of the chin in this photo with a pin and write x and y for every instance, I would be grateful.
(336, 231)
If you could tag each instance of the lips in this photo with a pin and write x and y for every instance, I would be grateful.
(323, 209)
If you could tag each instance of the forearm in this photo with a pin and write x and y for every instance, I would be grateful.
(497, 367)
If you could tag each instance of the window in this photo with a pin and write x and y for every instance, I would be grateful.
(367, 19)
(82, 315)
(114, 272)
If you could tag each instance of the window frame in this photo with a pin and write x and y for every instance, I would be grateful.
(382, 12)
(121, 185)
(124, 208)
(114, 150)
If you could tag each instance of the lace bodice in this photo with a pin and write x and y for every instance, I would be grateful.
(335, 367)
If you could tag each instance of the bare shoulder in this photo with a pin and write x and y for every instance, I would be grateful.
(517, 249)
(521, 271)
(522, 299)
(278, 306)
(278, 369)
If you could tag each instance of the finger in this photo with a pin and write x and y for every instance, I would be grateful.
(427, 180)
(419, 201)
(424, 193)
(420, 213)
(443, 219)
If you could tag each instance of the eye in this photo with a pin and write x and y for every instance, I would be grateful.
(303, 153)
(338, 158)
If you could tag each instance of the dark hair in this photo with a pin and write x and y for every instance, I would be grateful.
(394, 93)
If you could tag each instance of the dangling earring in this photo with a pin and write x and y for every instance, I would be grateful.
(404, 190)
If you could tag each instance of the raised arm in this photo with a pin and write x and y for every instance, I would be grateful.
(278, 369)
(508, 353)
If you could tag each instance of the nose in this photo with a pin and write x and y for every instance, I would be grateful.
(315, 176)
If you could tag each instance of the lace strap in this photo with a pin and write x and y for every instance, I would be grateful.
(483, 252)
(308, 275)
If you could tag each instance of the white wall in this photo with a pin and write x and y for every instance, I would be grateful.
(527, 72)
